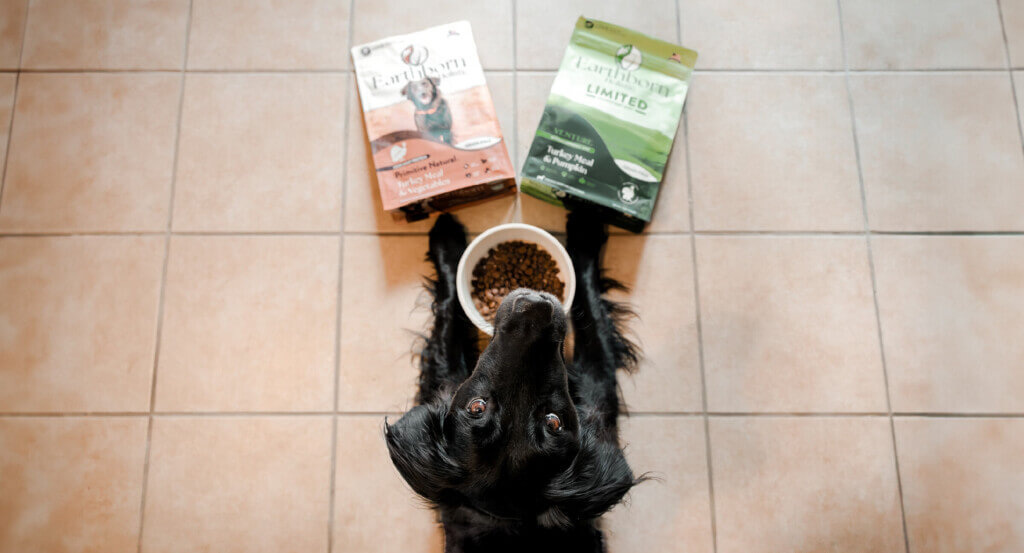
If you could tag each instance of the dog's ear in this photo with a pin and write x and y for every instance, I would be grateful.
(419, 450)
(436, 81)
(596, 481)
(405, 90)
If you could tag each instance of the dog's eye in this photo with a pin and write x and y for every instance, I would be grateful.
(553, 422)
(477, 406)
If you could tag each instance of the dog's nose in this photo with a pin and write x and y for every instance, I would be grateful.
(532, 305)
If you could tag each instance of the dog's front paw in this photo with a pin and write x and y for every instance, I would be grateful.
(447, 236)
(585, 232)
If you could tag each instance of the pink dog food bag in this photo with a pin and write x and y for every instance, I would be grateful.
(434, 135)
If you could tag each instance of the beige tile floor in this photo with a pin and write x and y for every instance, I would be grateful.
(204, 314)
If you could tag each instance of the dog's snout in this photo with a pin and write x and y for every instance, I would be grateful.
(538, 310)
(533, 305)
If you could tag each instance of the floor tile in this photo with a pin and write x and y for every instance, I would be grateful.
(672, 211)
(952, 308)
(491, 23)
(789, 324)
(939, 151)
(805, 484)
(261, 153)
(7, 86)
(758, 34)
(365, 522)
(298, 34)
(238, 484)
(544, 27)
(364, 211)
(383, 305)
(78, 322)
(109, 167)
(922, 34)
(791, 167)
(249, 324)
(532, 91)
(105, 34)
(963, 489)
(12, 29)
(1013, 21)
(672, 512)
(71, 484)
(659, 270)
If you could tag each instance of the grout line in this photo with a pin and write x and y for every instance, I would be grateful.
(163, 282)
(1009, 70)
(708, 457)
(14, 104)
(352, 88)
(709, 460)
(714, 414)
(874, 282)
(517, 202)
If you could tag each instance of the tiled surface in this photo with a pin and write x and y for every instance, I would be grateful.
(951, 312)
(962, 483)
(71, 483)
(249, 324)
(659, 270)
(939, 151)
(239, 34)
(789, 324)
(490, 21)
(806, 181)
(245, 484)
(923, 34)
(108, 144)
(261, 153)
(383, 305)
(843, 497)
(105, 34)
(359, 517)
(762, 34)
(7, 86)
(544, 27)
(673, 507)
(78, 322)
(1013, 19)
(12, 28)
(205, 315)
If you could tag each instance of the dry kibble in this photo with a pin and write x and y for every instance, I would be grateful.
(511, 265)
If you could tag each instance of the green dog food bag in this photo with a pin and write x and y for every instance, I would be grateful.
(608, 126)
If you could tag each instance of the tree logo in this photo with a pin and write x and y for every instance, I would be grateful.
(414, 54)
(629, 57)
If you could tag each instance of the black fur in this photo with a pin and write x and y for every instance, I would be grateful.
(502, 479)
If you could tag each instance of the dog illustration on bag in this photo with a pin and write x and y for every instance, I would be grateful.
(432, 115)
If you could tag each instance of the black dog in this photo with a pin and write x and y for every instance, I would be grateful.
(517, 450)
(432, 114)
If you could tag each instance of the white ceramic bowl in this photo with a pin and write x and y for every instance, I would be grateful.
(479, 247)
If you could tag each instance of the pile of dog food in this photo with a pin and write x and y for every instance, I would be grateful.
(510, 265)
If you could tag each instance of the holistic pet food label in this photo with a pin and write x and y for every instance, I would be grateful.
(608, 126)
(433, 131)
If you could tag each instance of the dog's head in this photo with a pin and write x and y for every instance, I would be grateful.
(422, 92)
(509, 441)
